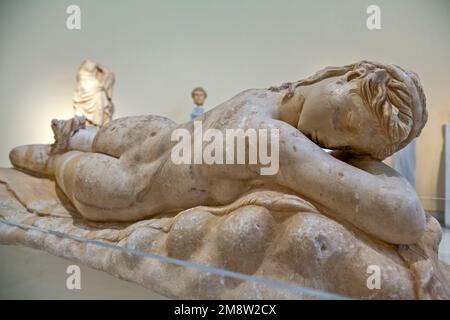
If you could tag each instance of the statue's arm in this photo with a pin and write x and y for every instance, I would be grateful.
(364, 192)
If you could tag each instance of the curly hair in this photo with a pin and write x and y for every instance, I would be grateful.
(393, 95)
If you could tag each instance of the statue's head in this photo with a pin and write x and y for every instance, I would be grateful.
(365, 108)
(199, 95)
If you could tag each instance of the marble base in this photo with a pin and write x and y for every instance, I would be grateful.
(299, 246)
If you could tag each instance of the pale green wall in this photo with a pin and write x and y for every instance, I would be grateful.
(159, 50)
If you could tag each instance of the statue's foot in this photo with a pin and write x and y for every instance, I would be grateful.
(63, 130)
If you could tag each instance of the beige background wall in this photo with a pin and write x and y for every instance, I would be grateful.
(159, 50)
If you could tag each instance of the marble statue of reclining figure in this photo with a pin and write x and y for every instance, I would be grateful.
(364, 112)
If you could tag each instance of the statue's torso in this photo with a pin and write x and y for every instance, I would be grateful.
(200, 184)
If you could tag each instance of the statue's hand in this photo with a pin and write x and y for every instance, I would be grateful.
(63, 130)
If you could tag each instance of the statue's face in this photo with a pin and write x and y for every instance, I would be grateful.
(199, 97)
(334, 116)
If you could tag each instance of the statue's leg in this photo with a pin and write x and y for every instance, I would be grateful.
(69, 135)
(100, 187)
(114, 139)
(122, 134)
